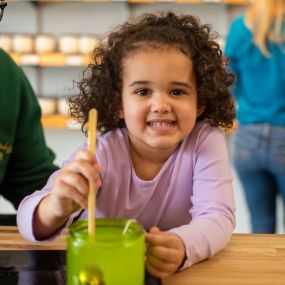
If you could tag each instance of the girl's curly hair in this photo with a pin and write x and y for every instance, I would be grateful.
(101, 85)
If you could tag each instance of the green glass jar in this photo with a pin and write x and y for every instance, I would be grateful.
(114, 257)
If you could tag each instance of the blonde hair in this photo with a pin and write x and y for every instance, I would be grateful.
(264, 18)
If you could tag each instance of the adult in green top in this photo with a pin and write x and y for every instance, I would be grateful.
(25, 160)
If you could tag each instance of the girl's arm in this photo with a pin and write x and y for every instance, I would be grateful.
(211, 211)
(67, 194)
(46, 222)
(213, 206)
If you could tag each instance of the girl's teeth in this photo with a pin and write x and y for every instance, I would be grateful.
(161, 124)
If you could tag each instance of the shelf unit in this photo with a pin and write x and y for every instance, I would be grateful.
(55, 59)
(58, 121)
(109, 11)
(233, 2)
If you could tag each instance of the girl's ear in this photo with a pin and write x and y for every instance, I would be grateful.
(200, 110)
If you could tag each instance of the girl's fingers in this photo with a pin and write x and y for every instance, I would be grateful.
(85, 155)
(164, 239)
(78, 198)
(71, 188)
(76, 181)
(165, 251)
(164, 254)
(155, 271)
(87, 170)
(66, 192)
(66, 199)
(160, 264)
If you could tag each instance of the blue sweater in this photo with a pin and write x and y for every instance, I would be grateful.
(260, 81)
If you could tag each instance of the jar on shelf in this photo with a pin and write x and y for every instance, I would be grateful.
(87, 43)
(62, 106)
(23, 43)
(6, 42)
(68, 44)
(48, 105)
(45, 44)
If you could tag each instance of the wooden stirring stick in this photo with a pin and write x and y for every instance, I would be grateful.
(92, 125)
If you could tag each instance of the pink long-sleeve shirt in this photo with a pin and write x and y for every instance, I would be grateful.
(191, 195)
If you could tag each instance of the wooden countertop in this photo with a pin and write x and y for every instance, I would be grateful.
(10, 239)
(248, 260)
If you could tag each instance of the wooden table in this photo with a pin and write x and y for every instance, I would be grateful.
(248, 259)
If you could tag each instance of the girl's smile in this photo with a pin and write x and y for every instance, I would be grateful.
(161, 125)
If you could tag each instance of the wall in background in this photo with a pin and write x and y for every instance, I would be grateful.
(97, 19)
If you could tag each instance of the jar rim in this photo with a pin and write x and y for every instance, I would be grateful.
(78, 230)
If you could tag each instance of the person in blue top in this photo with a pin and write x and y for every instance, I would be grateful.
(255, 46)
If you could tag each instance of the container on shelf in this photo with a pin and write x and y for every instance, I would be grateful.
(45, 44)
(68, 44)
(62, 106)
(29, 59)
(48, 105)
(74, 60)
(6, 42)
(87, 43)
(52, 59)
(23, 43)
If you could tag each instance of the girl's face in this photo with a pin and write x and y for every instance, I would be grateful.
(159, 99)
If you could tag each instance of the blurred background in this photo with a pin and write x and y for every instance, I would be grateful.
(52, 40)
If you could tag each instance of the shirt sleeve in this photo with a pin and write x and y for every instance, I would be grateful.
(213, 218)
(31, 162)
(25, 214)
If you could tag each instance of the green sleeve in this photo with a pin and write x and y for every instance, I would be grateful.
(25, 161)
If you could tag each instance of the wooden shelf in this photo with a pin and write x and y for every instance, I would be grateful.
(57, 121)
(234, 2)
(237, 2)
(55, 59)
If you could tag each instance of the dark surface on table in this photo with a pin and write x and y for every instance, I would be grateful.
(8, 220)
(38, 267)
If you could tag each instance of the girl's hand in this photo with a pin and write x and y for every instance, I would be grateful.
(71, 187)
(165, 252)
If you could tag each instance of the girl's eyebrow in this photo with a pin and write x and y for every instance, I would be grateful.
(184, 84)
(139, 82)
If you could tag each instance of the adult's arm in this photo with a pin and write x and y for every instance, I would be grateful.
(29, 163)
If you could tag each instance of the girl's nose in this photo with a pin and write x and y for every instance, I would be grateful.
(160, 104)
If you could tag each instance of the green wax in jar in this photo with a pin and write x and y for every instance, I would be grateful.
(110, 258)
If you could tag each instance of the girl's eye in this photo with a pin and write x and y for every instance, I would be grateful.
(177, 92)
(142, 92)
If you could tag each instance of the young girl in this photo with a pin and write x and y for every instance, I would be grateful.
(160, 86)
